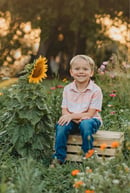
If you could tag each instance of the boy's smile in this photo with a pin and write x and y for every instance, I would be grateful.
(81, 71)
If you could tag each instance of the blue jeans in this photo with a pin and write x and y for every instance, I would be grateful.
(86, 128)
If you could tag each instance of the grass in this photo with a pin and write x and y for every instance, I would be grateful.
(20, 174)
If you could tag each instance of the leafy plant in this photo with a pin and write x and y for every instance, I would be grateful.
(26, 117)
(102, 176)
(28, 114)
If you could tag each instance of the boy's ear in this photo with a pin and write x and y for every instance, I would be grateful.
(92, 73)
(71, 72)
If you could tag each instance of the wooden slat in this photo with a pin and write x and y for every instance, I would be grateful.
(107, 152)
(74, 157)
(108, 135)
(74, 151)
(78, 158)
(74, 148)
(75, 139)
(108, 142)
(77, 149)
(100, 137)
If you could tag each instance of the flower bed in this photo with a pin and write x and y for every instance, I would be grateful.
(28, 114)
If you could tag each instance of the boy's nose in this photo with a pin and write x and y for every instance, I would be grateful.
(81, 70)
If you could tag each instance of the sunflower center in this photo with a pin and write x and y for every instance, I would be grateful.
(37, 72)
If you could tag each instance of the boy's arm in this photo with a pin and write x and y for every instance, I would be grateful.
(65, 117)
(85, 115)
(89, 114)
(76, 117)
(65, 111)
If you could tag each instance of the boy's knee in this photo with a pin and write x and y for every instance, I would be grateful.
(87, 123)
(62, 128)
(86, 127)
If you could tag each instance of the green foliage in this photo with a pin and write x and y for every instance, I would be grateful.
(29, 179)
(28, 115)
(54, 100)
(115, 111)
(30, 176)
(114, 53)
(108, 176)
(26, 118)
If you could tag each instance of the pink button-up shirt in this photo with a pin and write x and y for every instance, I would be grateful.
(80, 101)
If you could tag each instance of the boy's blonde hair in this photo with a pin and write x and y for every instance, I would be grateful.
(84, 57)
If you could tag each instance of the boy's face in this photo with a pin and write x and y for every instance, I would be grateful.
(81, 71)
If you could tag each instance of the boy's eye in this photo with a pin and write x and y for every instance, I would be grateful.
(85, 69)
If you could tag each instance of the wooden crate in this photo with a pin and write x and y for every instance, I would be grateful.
(74, 143)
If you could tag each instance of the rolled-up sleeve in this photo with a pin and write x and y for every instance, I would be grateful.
(96, 100)
(64, 99)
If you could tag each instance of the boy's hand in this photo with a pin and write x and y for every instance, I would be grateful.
(85, 116)
(65, 119)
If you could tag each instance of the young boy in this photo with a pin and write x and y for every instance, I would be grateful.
(81, 104)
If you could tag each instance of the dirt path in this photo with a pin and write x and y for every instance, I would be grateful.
(5, 83)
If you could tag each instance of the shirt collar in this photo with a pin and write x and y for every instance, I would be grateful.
(89, 87)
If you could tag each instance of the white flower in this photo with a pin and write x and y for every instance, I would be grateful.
(115, 181)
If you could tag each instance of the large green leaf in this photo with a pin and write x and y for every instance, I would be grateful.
(20, 133)
(31, 115)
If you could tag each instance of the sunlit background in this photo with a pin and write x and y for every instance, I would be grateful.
(20, 42)
(29, 39)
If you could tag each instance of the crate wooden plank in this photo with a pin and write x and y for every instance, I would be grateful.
(77, 149)
(78, 158)
(107, 152)
(108, 135)
(74, 148)
(99, 138)
(74, 157)
(75, 141)
(108, 142)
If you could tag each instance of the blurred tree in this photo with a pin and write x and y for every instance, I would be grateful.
(112, 7)
(68, 27)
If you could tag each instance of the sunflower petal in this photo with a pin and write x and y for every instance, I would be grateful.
(39, 71)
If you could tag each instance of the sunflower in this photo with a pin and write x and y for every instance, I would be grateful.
(39, 71)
